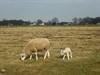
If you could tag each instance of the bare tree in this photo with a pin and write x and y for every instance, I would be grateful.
(55, 21)
(75, 20)
(39, 21)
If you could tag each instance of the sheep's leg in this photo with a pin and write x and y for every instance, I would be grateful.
(48, 54)
(36, 56)
(64, 56)
(30, 57)
(45, 54)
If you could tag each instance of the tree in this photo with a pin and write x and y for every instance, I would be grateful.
(96, 20)
(87, 20)
(39, 21)
(49, 22)
(81, 21)
(55, 21)
(75, 20)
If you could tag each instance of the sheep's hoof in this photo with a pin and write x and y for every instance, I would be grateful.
(37, 59)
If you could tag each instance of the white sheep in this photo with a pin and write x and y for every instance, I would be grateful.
(66, 52)
(35, 45)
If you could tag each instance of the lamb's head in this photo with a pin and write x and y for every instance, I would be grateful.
(61, 52)
(23, 56)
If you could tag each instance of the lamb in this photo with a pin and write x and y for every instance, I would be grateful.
(66, 52)
(36, 45)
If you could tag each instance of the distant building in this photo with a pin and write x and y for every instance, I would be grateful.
(33, 24)
(42, 23)
(64, 23)
(98, 23)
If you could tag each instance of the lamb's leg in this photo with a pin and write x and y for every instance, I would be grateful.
(68, 55)
(36, 56)
(64, 56)
(45, 54)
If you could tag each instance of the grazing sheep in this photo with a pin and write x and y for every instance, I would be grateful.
(36, 45)
(67, 52)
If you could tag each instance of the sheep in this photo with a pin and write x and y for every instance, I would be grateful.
(36, 45)
(66, 52)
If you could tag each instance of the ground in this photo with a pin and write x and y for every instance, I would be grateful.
(83, 41)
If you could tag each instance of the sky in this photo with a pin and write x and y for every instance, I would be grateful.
(64, 10)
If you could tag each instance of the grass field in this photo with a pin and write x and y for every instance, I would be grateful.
(83, 41)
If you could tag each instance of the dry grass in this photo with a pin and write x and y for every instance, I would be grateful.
(84, 42)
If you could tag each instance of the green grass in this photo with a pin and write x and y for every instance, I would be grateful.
(83, 41)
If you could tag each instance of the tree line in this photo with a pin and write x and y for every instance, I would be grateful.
(54, 21)
(13, 22)
(86, 20)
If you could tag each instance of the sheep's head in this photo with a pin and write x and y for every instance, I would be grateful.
(61, 52)
(23, 56)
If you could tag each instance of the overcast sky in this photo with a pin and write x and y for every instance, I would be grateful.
(64, 10)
